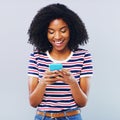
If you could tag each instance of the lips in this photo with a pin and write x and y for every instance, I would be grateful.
(58, 43)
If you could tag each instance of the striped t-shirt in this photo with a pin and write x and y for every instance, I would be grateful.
(58, 96)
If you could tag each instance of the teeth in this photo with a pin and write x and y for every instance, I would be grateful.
(58, 42)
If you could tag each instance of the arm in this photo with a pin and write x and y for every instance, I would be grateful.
(80, 92)
(37, 87)
(36, 91)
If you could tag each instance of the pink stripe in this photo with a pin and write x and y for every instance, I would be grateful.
(60, 87)
(57, 98)
(58, 104)
(52, 109)
(57, 93)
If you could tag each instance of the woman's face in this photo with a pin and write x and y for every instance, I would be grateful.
(58, 34)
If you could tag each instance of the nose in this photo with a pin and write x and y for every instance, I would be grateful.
(57, 35)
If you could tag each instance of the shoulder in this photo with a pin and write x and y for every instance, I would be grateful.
(37, 54)
(81, 51)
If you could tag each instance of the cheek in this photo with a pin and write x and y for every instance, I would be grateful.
(67, 36)
(49, 37)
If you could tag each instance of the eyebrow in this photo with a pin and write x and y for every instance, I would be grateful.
(60, 28)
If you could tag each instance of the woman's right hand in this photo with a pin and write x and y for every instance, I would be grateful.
(37, 86)
(49, 77)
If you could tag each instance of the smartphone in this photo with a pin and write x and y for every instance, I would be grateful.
(55, 66)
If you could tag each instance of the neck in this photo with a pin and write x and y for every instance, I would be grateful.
(60, 55)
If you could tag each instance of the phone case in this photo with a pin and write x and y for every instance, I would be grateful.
(55, 66)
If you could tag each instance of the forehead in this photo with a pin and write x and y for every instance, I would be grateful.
(57, 23)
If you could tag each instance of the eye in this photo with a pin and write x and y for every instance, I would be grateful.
(63, 30)
(50, 31)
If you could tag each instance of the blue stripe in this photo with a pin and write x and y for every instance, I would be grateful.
(88, 73)
(88, 54)
(75, 71)
(43, 59)
(78, 54)
(75, 60)
(78, 76)
(36, 52)
(55, 89)
(41, 70)
(87, 61)
(75, 65)
(56, 106)
(32, 61)
(34, 68)
(43, 65)
(62, 101)
(87, 67)
(31, 73)
(51, 95)
(57, 83)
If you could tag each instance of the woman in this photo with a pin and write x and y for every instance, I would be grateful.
(56, 33)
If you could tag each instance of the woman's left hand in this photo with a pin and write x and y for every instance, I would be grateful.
(65, 76)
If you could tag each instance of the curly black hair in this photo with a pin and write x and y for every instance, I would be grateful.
(39, 27)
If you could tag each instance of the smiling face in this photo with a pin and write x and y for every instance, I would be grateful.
(58, 35)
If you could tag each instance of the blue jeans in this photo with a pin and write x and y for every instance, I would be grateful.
(75, 117)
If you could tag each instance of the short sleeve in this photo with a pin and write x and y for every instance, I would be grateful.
(32, 66)
(87, 68)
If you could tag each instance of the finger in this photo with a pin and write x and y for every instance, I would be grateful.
(51, 80)
(65, 72)
(51, 72)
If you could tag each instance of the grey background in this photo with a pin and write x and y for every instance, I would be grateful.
(102, 19)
